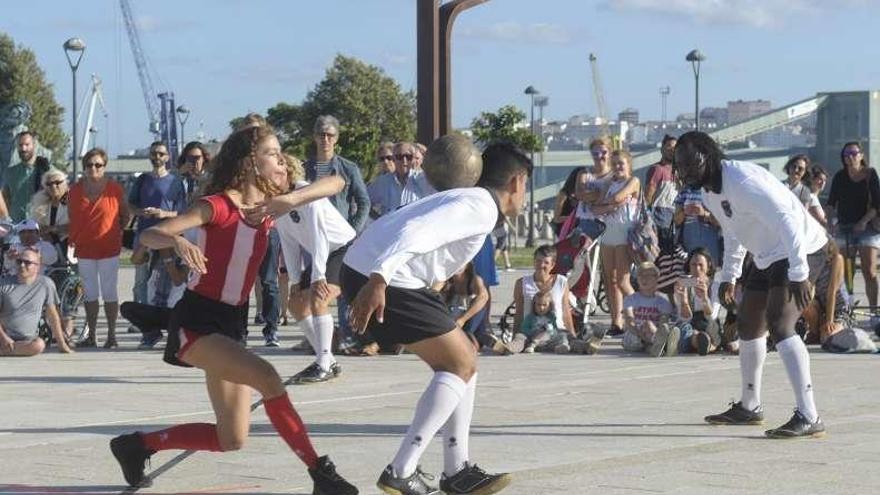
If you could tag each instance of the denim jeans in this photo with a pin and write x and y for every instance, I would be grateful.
(269, 284)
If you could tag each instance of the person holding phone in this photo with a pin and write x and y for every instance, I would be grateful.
(696, 299)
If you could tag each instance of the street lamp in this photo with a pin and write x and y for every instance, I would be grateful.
(695, 57)
(182, 117)
(74, 46)
(530, 238)
(541, 102)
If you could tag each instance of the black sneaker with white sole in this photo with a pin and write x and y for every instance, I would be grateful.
(132, 455)
(737, 415)
(475, 481)
(413, 484)
(327, 480)
(798, 427)
(314, 373)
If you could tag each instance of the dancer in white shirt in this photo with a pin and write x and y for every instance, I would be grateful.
(761, 215)
(314, 238)
(388, 276)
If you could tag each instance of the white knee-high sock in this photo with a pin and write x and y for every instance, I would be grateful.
(457, 431)
(436, 404)
(324, 340)
(752, 354)
(308, 330)
(796, 359)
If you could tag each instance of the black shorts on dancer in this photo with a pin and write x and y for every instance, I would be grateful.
(331, 273)
(776, 275)
(411, 315)
(200, 315)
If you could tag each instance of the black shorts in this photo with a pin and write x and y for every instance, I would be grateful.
(501, 242)
(776, 275)
(204, 316)
(334, 266)
(411, 315)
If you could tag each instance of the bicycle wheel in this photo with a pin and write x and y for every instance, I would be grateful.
(602, 297)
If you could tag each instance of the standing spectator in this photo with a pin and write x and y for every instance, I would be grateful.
(391, 191)
(192, 171)
(699, 229)
(660, 190)
(97, 216)
(591, 184)
(23, 299)
(853, 202)
(818, 179)
(566, 201)
(49, 209)
(798, 170)
(384, 163)
(22, 180)
(353, 202)
(502, 243)
(618, 208)
(147, 199)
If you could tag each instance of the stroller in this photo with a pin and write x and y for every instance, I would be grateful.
(577, 257)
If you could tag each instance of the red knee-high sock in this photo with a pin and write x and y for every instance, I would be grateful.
(291, 428)
(189, 436)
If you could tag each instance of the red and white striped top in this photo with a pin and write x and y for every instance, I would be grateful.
(234, 250)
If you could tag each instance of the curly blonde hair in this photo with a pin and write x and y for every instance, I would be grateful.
(236, 159)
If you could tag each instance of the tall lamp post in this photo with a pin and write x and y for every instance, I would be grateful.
(74, 46)
(541, 102)
(182, 117)
(695, 57)
(530, 238)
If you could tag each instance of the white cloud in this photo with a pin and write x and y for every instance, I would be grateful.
(544, 33)
(755, 13)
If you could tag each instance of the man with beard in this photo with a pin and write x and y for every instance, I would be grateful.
(22, 180)
(790, 252)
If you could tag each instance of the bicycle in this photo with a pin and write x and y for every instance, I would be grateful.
(70, 290)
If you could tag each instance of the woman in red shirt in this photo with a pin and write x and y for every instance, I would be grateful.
(97, 216)
(208, 324)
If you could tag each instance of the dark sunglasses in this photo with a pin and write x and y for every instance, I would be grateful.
(24, 262)
(55, 183)
(193, 158)
(385, 158)
(852, 153)
(95, 165)
(404, 156)
(599, 153)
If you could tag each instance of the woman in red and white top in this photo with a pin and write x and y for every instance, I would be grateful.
(208, 324)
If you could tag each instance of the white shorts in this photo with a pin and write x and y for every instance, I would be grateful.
(100, 278)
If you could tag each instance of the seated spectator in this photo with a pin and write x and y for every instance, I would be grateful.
(696, 297)
(165, 287)
(544, 280)
(646, 317)
(23, 299)
(467, 298)
(827, 317)
(29, 236)
(539, 332)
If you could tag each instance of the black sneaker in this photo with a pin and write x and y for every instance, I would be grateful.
(412, 485)
(471, 479)
(132, 455)
(798, 426)
(150, 339)
(313, 374)
(336, 369)
(737, 415)
(327, 480)
(703, 343)
(614, 331)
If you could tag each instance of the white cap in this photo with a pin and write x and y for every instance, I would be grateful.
(28, 224)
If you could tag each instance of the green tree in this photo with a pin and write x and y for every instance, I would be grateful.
(22, 79)
(503, 125)
(370, 106)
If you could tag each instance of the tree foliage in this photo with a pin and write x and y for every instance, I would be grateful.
(22, 79)
(370, 106)
(503, 125)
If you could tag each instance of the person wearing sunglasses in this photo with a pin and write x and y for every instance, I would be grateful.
(391, 191)
(853, 205)
(590, 184)
(192, 171)
(98, 214)
(49, 209)
(23, 299)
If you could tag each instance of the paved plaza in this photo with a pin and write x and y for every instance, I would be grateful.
(607, 424)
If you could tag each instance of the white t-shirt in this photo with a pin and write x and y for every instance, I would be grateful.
(647, 308)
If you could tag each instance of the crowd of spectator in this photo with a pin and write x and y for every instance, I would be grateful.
(666, 305)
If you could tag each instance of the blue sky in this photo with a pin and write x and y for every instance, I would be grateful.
(223, 58)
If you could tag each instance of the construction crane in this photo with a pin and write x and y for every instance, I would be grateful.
(601, 107)
(96, 98)
(160, 106)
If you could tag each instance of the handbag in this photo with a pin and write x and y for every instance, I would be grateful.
(642, 236)
(568, 225)
(128, 234)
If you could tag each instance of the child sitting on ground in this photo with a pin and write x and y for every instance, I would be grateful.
(646, 315)
(538, 331)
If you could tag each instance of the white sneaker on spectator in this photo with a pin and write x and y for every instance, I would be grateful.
(133, 329)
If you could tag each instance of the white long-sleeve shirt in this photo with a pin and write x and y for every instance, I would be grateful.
(427, 241)
(316, 228)
(759, 214)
